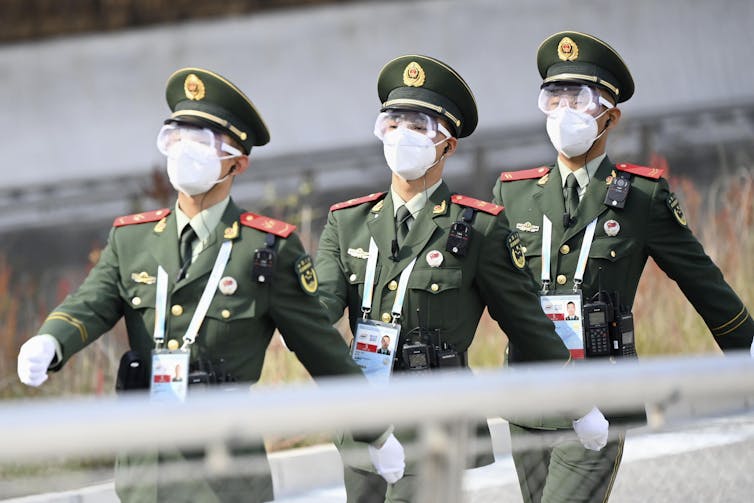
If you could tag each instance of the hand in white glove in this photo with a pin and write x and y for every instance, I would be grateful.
(34, 358)
(592, 430)
(389, 460)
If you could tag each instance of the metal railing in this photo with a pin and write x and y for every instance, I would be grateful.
(438, 404)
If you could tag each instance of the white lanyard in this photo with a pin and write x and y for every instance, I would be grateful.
(400, 293)
(207, 294)
(366, 302)
(578, 276)
(161, 300)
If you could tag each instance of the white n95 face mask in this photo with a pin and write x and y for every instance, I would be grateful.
(409, 153)
(193, 168)
(571, 133)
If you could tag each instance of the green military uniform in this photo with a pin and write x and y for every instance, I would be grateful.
(448, 293)
(651, 224)
(243, 313)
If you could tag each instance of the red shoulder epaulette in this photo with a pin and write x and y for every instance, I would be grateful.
(491, 208)
(267, 224)
(524, 174)
(644, 171)
(356, 201)
(141, 218)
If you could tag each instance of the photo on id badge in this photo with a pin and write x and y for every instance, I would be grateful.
(373, 349)
(169, 376)
(565, 313)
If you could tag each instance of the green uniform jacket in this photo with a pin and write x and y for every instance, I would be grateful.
(648, 228)
(237, 328)
(450, 297)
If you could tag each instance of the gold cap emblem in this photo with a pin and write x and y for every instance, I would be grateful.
(568, 50)
(413, 75)
(193, 87)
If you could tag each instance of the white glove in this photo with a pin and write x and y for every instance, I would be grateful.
(34, 358)
(752, 349)
(592, 430)
(389, 460)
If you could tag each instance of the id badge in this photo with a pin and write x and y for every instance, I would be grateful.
(373, 348)
(169, 379)
(565, 312)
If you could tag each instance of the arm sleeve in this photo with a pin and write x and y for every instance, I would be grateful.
(680, 255)
(511, 297)
(333, 286)
(90, 311)
(302, 320)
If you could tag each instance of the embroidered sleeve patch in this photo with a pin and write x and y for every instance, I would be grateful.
(307, 276)
(675, 209)
(516, 250)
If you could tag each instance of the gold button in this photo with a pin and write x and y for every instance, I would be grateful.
(225, 314)
(352, 278)
(565, 249)
(393, 285)
(523, 249)
(173, 345)
(386, 317)
(176, 310)
(434, 287)
(136, 301)
(562, 279)
(612, 253)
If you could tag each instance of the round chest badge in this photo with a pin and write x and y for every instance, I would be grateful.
(227, 285)
(612, 228)
(434, 258)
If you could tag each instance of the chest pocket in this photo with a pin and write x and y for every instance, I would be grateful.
(532, 243)
(355, 271)
(611, 249)
(435, 281)
(139, 296)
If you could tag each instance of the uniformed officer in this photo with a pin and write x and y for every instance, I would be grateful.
(617, 215)
(430, 260)
(267, 282)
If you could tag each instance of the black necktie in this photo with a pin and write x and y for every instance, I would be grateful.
(187, 239)
(571, 195)
(402, 217)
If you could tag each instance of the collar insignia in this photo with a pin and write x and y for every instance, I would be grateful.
(231, 232)
(440, 208)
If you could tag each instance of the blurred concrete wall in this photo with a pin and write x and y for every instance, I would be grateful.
(90, 106)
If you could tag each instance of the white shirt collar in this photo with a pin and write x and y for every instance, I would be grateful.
(584, 174)
(417, 202)
(205, 222)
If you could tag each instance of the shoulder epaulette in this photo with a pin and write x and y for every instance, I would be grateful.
(267, 224)
(644, 171)
(357, 201)
(141, 218)
(524, 174)
(491, 208)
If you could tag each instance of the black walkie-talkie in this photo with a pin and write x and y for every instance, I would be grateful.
(597, 329)
(622, 329)
(597, 315)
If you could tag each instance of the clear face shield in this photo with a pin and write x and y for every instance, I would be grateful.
(578, 97)
(202, 139)
(418, 122)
